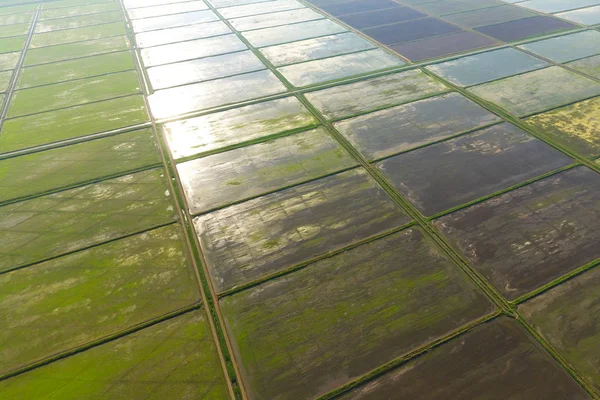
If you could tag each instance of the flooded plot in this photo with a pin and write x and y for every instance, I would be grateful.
(524, 28)
(203, 69)
(553, 6)
(357, 6)
(175, 52)
(158, 11)
(9, 45)
(410, 30)
(484, 67)
(319, 71)
(567, 48)
(275, 19)
(213, 131)
(381, 17)
(231, 3)
(291, 33)
(243, 173)
(75, 50)
(44, 311)
(568, 316)
(497, 360)
(9, 60)
(82, 68)
(457, 6)
(404, 127)
(181, 33)
(176, 358)
(314, 49)
(64, 166)
(172, 21)
(346, 100)
(198, 96)
(78, 21)
(37, 229)
(266, 235)
(575, 127)
(589, 66)
(73, 93)
(314, 330)
(438, 46)
(259, 8)
(584, 16)
(489, 16)
(147, 3)
(448, 174)
(537, 91)
(49, 127)
(528, 237)
(77, 10)
(77, 34)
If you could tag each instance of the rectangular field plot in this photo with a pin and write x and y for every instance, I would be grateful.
(292, 33)
(238, 174)
(73, 93)
(585, 16)
(401, 128)
(172, 21)
(528, 237)
(181, 33)
(87, 295)
(69, 51)
(68, 123)
(448, 174)
(484, 67)
(497, 360)
(438, 46)
(311, 331)
(199, 96)
(568, 47)
(575, 127)
(314, 49)
(210, 132)
(525, 28)
(176, 358)
(489, 16)
(167, 9)
(81, 68)
(52, 169)
(77, 34)
(553, 6)
(537, 91)
(568, 316)
(319, 71)
(358, 6)
(275, 19)
(354, 98)
(37, 229)
(250, 240)
(381, 17)
(410, 30)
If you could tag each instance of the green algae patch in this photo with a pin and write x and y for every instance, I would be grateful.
(210, 132)
(537, 91)
(175, 359)
(68, 51)
(306, 221)
(496, 360)
(69, 94)
(304, 334)
(576, 126)
(63, 71)
(530, 236)
(52, 169)
(61, 304)
(242, 173)
(44, 227)
(69, 123)
(568, 316)
(346, 100)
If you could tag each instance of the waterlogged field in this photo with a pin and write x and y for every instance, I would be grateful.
(299, 199)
